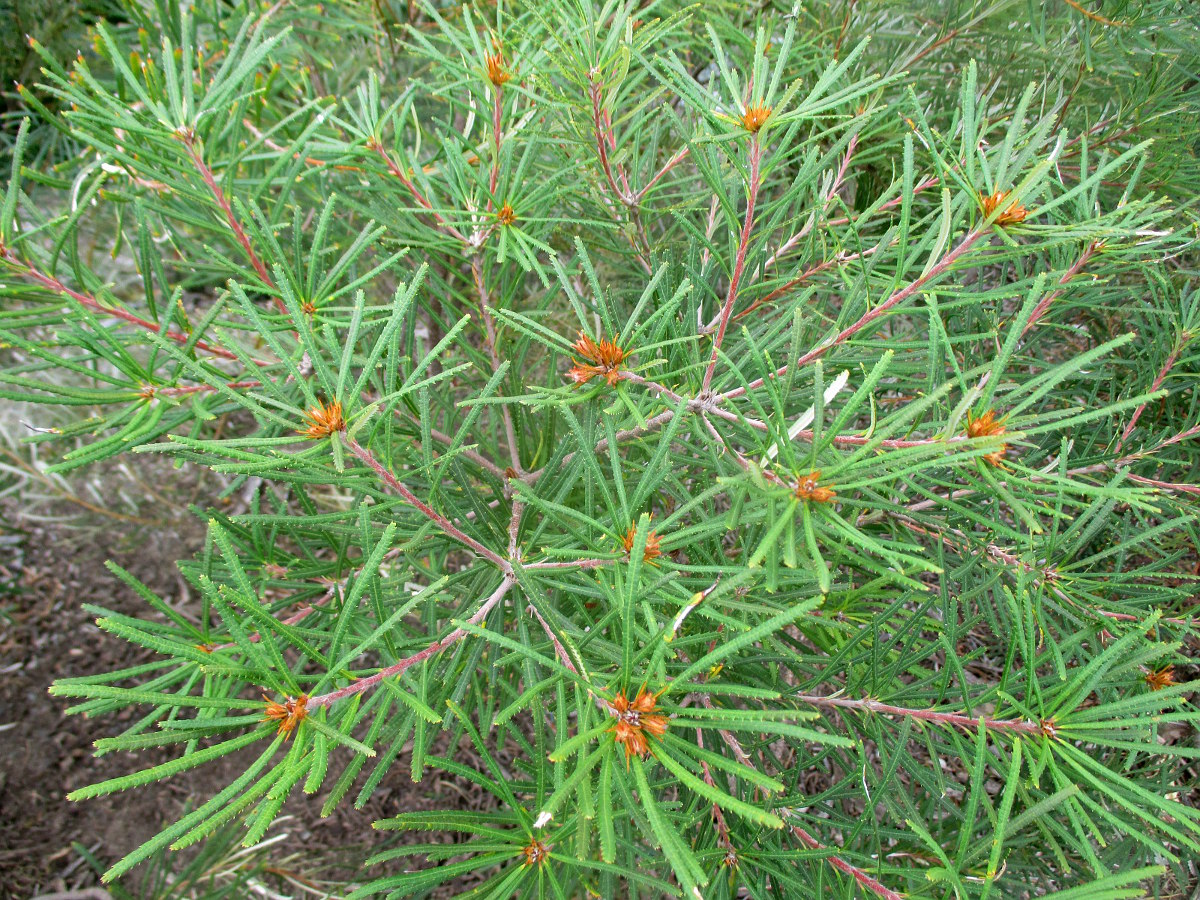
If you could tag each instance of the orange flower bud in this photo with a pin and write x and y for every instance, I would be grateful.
(755, 117)
(496, 72)
(536, 853)
(988, 425)
(1014, 214)
(653, 548)
(809, 488)
(288, 714)
(604, 358)
(1158, 679)
(636, 719)
(323, 421)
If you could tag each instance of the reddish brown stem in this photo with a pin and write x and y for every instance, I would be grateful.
(559, 649)
(489, 324)
(1179, 487)
(1174, 439)
(497, 94)
(659, 389)
(1044, 304)
(1044, 576)
(733, 451)
(415, 192)
(235, 226)
(1158, 380)
(425, 509)
(1082, 470)
(363, 684)
(862, 878)
(205, 388)
(667, 167)
(606, 140)
(476, 457)
(809, 841)
(932, 181)
(870, 316)
(298, 616)
(279, 148)
(514, 530)
(590, 563)
(921, 54)
(830, 196)
(740, 260)
(1022, 726)
(837, 45)
(731, 741)
(91, 303)
(789, 286)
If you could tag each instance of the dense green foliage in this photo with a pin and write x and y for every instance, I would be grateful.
(765, 438)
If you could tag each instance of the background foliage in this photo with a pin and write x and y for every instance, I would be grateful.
(765, 437)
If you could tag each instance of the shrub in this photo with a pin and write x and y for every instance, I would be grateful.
(763, 437)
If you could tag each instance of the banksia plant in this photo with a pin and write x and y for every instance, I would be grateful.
(893, 340)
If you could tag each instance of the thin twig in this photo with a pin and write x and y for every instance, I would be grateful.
(299, 616)
(476, 457)
(808, 273)
(415, 192)
(1043, 305)
(1045, 576)
(871, 315)
(830, 196)
(667, 167)
(606, 140)
(588, 563)
(204, 388)
(363, 684)
(1021, 726)
(1158, 380)
(49, 281)
(424, 508)
(489, 325)
(809, 841)
(239, 233)
(859, 875)
(740, 260)
(1094, 16)
(559, 649)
